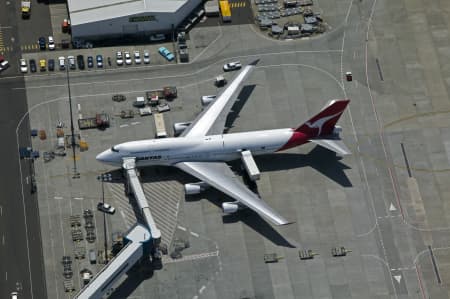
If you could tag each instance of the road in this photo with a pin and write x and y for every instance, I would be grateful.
(21, 256)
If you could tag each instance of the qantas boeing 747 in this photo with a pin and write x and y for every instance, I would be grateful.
(202, 150)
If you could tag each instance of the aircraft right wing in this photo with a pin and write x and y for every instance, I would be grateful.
(212, 119)
(219, 176)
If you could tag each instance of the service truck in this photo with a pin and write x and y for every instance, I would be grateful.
(167, 92)
(101, 120)
(160, 126)
(225, 10)
(26, 8)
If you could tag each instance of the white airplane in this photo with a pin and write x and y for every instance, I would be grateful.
(202, 149)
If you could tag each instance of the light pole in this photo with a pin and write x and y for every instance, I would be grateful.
(104, 177)
(76, 174)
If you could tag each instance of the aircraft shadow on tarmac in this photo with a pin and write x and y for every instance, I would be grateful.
(242, 98)
(324, 161)
(321, 159)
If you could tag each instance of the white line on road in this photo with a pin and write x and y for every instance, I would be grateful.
(3, 239)
(78, 198)
(135, 123)
(57, 197)
(6, 275)
(194, 234)
(123, 126)
(79, 107)
(202, 289)
(1, 211)
(182, 228)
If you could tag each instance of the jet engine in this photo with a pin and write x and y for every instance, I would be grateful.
(206, 100)
(194, 188)
(337, 131)
(178, 128)
(230, 207)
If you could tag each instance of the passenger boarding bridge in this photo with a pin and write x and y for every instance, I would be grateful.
(141, 242)
(138, 245)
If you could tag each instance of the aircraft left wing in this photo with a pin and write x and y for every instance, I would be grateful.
(212, 119)
(220, 176)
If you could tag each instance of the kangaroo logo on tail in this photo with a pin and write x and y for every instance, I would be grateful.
(318, 124)
(323, 123)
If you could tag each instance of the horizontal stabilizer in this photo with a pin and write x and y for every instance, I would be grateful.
(335, 145)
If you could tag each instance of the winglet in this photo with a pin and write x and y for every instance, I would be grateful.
(255, 62)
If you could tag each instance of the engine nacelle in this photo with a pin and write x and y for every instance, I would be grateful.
(178, 128)
(194, 188)
(337, 131)
(230, 207)
(206, 100)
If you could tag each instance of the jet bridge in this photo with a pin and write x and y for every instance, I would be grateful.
(137, 245)
(129, 165)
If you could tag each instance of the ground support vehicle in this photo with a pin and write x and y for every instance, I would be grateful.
(101, 120)
(225, 10)
(167, 92)
(160, 126)
(26, 8)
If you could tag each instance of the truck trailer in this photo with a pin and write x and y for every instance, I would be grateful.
(167, 92)
(101, 121)
(160, 126)
(26, 8)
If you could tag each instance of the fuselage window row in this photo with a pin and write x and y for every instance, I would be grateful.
(148, 158)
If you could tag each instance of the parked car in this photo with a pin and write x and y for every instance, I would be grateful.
(71, 60)
(23, 66)
(231, 66)
(51, 64)
(33, 66)
(90, 61)
(4, 65)
(80, 62)
(51, 43)
(62, 63)
(127, 58)
(41, 42)
(42, 65)
(146, 57)
(119, 58)
(137, 57)
(99, 60)
(107, 208)
(166, 53)
(157, 37)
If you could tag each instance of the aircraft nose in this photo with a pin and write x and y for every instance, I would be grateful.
(103, 156)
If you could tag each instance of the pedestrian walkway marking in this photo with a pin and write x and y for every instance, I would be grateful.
(398, 278)
(6, 49)
(237, 4)
(29, 47)
(1, 38)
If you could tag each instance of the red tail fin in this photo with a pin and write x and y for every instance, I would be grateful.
(323, 123)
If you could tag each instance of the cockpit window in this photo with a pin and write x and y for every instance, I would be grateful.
(114, 149)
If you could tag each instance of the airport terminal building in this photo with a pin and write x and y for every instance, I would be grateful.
(94, 20)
